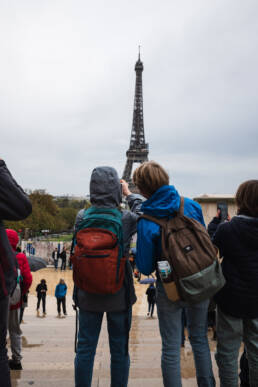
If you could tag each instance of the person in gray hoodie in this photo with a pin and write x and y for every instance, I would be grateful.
(106, 192)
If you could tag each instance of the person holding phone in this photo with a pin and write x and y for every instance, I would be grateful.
(221, 216)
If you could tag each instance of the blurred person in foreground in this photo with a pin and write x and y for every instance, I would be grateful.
(14, 312)
(237, 311)
(14, 205)
(163, 200)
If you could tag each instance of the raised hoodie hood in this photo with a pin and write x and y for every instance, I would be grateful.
(246, 229)
(105, 188)
(164, 202)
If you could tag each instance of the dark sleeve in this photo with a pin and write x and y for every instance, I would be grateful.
(218, 239)
(37, 288)
(212, 227)
(135, 203)
(14, 203)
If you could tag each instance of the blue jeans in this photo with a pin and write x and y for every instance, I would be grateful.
(170, 325)
(119, 324)
(231, 331)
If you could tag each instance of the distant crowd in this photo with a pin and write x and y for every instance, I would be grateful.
(196, 276)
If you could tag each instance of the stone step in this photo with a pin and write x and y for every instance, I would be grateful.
(48, 346)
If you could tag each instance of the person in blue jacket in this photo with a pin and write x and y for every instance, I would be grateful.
(163, 200)
(60, 294)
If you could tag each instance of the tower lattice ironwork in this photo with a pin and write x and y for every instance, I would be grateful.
(138, 149)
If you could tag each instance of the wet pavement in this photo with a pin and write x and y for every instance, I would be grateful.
(48, 344)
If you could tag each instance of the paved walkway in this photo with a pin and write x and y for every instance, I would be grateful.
(48, 344)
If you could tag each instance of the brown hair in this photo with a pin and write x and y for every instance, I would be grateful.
(149, 177)
(247, 198)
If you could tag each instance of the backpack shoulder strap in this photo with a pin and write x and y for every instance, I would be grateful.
(181, 208)
(160, 221)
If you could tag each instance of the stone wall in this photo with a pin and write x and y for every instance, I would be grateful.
(209, 210)
(44, 249)
(209, 205)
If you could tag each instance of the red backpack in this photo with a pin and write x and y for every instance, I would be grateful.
(98, 262)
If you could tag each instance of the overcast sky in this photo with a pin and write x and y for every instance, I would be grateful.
(67, 85)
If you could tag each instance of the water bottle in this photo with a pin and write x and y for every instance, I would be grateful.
(164, 269)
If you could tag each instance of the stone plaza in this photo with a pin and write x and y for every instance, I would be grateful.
(48, 344)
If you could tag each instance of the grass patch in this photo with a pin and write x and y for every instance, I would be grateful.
(61, 238)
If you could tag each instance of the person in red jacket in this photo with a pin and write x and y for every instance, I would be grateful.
(14, 320)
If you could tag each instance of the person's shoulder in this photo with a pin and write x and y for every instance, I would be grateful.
(224, 226)
(192, 203)
(148, 226)
(192, 208)
(80, 212)
(80, 215)
(21, 257)
(215, 220)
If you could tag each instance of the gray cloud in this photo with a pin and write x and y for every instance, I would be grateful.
(67, 85)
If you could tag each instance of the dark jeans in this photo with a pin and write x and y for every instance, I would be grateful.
(244, 367)
(151, 308)
(56, 263)
(63, 265)
(184, 324)
(21, 314)
(43, 298)
(4, 366)
(119, 324)
(61, 300)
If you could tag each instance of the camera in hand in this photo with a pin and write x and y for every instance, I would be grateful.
(223, 207)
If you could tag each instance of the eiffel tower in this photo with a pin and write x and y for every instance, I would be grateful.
(138, 149)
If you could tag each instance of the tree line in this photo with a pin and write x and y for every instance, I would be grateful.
(48, 213)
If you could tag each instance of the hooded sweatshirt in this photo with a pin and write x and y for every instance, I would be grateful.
(23, 265)
(237, 241)
(106, 192)
(163, 203)
(61, 290)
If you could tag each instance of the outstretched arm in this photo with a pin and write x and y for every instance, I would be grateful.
(134, 200)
